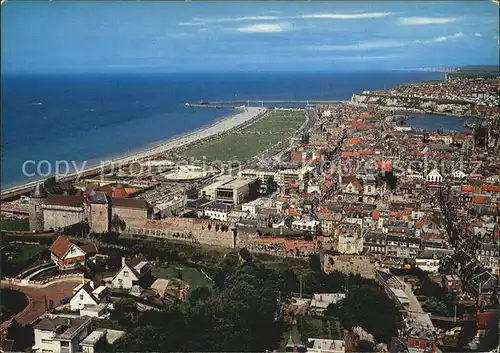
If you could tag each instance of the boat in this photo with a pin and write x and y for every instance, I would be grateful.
(470, 125)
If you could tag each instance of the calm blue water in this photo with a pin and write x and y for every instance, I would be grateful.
(439, 122)
(94, 117)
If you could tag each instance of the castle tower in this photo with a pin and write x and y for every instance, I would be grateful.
(35, 208)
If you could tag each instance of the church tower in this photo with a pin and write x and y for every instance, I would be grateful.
(35, 208)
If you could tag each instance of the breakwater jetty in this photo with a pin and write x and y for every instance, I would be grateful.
(236, 104)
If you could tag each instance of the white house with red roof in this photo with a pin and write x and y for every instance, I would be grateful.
(65, 254)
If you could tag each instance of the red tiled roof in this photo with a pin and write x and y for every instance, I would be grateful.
(346, 154)
(478, 199)
(358, 185)
(490, 188)
(294, 212)
(467, 188)
(61, 246)
(354, 140)
(421, 222)
(376, 214)
(119, 192)
(384, 166)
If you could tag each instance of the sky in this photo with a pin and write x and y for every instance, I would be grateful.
(81, 37)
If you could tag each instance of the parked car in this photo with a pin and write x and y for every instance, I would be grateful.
(65, 300)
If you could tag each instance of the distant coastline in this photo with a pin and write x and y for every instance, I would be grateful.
(99, 118)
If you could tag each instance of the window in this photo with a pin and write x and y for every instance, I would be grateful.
(417, 343)
(125, 273)
(73, 251)
(46, 341)
(81, 296)
(369, 188)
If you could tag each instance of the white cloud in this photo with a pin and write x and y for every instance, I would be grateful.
(362, 46)
(264, 28)
(201, 21)
(332, 16)
(346, 16)
(383, 44)
(422, 21)
(442, 38)
(366, 57)
(478, 35)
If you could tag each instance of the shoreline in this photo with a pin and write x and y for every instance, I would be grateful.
(221, 125)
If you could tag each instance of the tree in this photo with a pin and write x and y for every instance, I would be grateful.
(117, 224)
(199, 294)
(315, 262)
(369, 307)
(21, 335)
(390, 179)
(271, 185)
(254, 189)
(15, 330)
(435, 306)
(125, 311)
(245, 254)
(308, 237)
(196, 257)
(242, 315)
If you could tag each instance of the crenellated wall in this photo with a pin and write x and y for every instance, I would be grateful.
(201, 231)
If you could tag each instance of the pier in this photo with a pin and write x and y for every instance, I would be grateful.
(236, 104)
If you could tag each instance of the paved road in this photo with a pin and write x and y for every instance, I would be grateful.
(54, 291)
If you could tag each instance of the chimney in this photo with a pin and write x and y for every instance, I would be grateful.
(123, 261)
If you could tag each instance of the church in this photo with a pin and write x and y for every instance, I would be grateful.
(92, 207)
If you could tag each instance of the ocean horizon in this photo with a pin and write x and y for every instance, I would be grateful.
(93, 117)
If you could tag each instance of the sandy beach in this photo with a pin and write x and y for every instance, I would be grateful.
(220, 126)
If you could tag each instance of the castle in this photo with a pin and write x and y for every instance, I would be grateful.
(51, 212)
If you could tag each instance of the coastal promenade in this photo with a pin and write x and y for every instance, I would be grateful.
(218, 127)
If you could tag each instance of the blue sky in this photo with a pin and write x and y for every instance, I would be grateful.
(79, 37)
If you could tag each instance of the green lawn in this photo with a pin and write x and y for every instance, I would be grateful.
(15, 225)
(242, 147)
(312, 327)
(23, 252)
(191, 275)
(279, 121)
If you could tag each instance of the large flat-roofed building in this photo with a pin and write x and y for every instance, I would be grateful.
(263, 175)
(294, 176)
(229, 189)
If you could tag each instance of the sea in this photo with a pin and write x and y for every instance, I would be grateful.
(95, 117)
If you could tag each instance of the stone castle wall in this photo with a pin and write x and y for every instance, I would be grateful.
(55, 217)
(198, 231)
